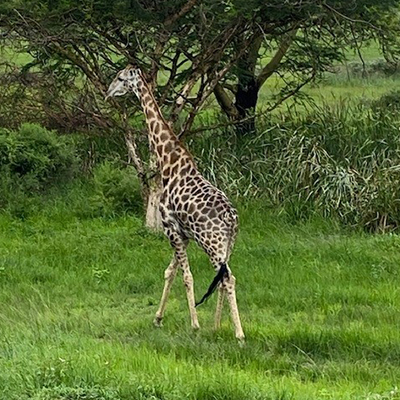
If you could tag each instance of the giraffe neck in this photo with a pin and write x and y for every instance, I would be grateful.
(163, 142)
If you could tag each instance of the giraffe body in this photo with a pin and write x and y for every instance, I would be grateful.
(190, 206)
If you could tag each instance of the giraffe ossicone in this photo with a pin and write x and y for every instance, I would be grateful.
(190, 206)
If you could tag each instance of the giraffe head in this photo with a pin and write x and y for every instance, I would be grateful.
(129, 79)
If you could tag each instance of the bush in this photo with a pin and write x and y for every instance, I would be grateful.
(37, 164)
(35, 156)
(32, 160)
(377, 67)
(113, 190)
(387, 102)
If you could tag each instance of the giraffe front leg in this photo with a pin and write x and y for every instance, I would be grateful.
(169, 276)
(180, 244)
(220, 303)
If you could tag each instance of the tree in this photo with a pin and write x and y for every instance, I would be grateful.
(301, 39)
(189, 49)
(76, 47)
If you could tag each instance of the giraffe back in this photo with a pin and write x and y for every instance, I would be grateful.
(200, 211)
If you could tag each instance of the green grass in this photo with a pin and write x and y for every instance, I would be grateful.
(319, 304)
(334, 88)
(369, 52)
(320, 308)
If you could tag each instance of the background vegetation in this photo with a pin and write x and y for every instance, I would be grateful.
(315, 179)
(198, 55)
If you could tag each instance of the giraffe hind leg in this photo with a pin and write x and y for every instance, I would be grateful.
(229, 284)
(220, 303)
(188, 282)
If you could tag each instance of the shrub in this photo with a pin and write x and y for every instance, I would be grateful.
(114, 190)
(32, 160)
(389, 101)
(35, 156)
(378, 67)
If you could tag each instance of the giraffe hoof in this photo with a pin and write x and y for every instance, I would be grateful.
(158, 322)
(241, 340)
(196, 326)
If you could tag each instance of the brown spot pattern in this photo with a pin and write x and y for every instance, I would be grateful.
(191, 207)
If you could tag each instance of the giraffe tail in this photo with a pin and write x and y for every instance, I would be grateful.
(218, 278)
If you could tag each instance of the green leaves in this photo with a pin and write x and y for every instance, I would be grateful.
(32, 159)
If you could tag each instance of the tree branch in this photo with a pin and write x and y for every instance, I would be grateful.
(350, 19)
(270, 68)
(225, 102)
(212, 82)
(201, 64)
(292, 92)
(184, 10)
(231, 88)
(268, 110)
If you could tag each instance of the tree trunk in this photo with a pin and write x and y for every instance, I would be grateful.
(245, 102)
(153, 215)
(246, 91)
(151, 188)
(246, 95)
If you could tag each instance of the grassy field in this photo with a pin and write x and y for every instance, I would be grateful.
(319, 304)
(341, 85)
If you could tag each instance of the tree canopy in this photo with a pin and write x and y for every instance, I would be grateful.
(191, 49)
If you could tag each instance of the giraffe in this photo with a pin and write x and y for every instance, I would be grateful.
(190, 207)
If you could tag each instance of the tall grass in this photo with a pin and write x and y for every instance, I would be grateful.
(341, 160)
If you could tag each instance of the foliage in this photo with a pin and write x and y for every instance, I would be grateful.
(387, 103)
(375, 67)
(33, 159)
(36, 155)
(189, 49)
(115, 190)
(39, 166)
(339, 161)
